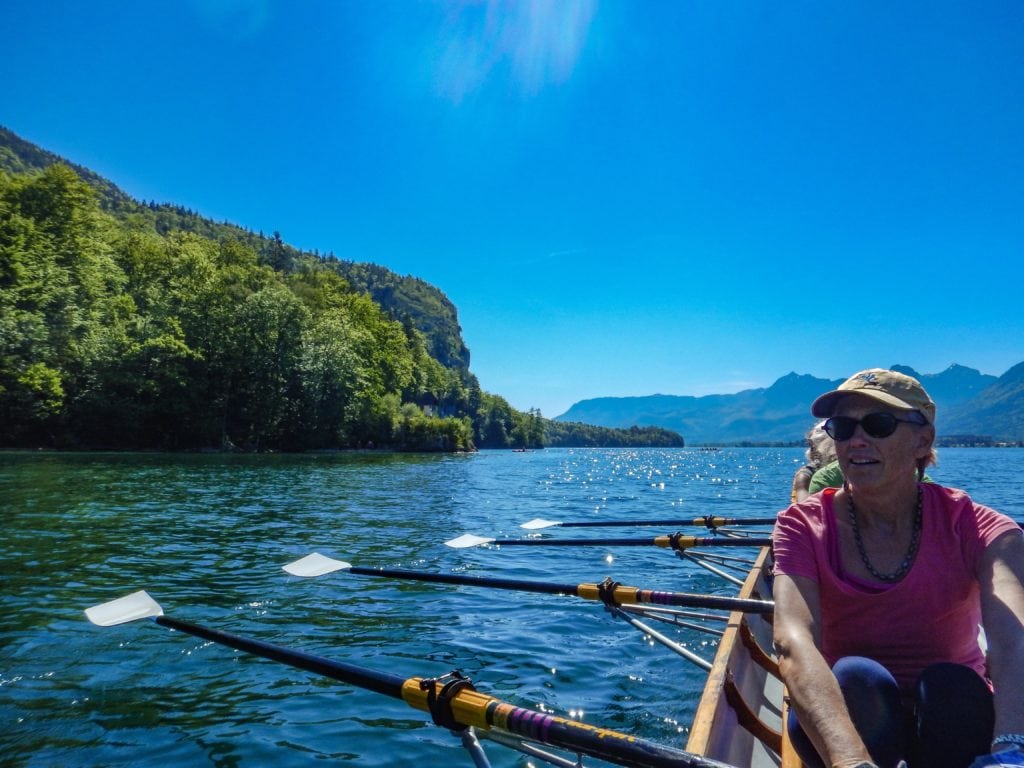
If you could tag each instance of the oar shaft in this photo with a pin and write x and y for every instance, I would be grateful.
(617, 594)
(677, 541)
(707, 522)
(620, 542)
(379, 682)
(468, 707)
(717, 522)
(621, 595)
(681, 542)
(541, 587)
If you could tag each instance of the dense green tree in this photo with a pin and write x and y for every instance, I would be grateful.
(267, 350)
(330, 367)
(529, 430)
(58, 285)
(276, 255)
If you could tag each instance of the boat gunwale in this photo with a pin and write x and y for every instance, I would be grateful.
(707, 722)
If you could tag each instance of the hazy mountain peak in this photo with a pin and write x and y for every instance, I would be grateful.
(969, 402)
(906, 370)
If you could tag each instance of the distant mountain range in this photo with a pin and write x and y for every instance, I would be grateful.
(972, 407)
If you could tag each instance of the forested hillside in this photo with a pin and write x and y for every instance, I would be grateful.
(405, 298)
(115, 335)
(127, 325)
(564, 434)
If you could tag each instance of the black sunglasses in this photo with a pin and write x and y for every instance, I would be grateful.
(874, 424)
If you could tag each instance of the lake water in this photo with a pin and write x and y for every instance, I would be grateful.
(207, 536)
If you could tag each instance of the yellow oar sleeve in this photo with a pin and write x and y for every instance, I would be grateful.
(472, 708)
(620, 594)
(468, 707)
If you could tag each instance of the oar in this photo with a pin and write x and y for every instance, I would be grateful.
(611, 592)
(539, 523)
(675, 541)
(451, 701)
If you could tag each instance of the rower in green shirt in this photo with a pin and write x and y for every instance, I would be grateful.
(830, 476)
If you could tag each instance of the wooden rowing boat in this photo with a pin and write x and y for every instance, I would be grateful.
(740, 715)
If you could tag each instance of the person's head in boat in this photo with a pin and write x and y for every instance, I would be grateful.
(888, 406)
(820, 453)
(821, 449)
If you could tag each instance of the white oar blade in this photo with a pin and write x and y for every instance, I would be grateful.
(315, 565)
(138, 605)
(467, 540)
(538, 523)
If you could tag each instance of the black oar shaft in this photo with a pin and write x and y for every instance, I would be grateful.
(613, 542)
(715, 522)
(519, 585)
(631, 595)
(379, 682)
(673, 541)
(707, 522)
(613, 523)
(617, 594)
(677, 541)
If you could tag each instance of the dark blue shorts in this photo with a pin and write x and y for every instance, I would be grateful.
(949, 724)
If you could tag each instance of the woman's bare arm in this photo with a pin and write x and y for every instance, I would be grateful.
(1001, 573)
(813, 689)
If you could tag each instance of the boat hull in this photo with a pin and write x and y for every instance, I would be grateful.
(741, 711)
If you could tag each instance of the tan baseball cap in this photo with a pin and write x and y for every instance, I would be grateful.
(890, 387)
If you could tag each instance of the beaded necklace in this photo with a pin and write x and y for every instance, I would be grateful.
(915, 540)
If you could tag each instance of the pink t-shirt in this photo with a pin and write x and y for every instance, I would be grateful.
(931, 615)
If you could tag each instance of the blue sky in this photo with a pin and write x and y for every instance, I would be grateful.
(621, 198)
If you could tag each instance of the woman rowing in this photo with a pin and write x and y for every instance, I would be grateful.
(880, 589)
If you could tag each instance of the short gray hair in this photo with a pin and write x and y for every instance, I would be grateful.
(821, 449)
